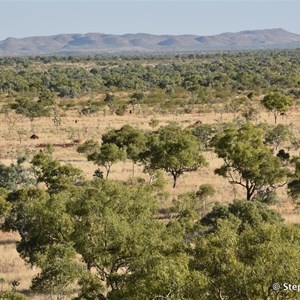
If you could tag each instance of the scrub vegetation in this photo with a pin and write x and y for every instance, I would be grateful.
(150, 177)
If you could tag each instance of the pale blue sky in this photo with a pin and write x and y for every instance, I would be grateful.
(30, 18)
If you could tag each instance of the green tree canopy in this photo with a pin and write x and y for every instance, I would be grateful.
(128, 138)
(294, 183)
(107, 155)
(12, 296)
(277, 103)
(102, 235)
(174, 150)
(242, 266)
(89, 147)
(278, 135)
(251, 213)
(46, 98)
(53, 174)
(30, 108)
(247, 161)
(16, 175)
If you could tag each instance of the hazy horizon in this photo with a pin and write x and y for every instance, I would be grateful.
(166, 34)
(43, 18)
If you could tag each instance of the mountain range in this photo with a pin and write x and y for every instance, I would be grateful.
(97, 43)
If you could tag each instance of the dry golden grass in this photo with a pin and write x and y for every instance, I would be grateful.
(92, 127)
(12, 267)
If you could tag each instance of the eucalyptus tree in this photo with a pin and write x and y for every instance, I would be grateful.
(248, 162)
(277, 104)
(174, 150)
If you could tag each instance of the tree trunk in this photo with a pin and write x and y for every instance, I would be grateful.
(107, 172)
(248, 188)
(248, 194)
(174, 180)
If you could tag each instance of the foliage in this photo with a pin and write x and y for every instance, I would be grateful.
(111, 227)
(174, 150)
(251, 213)
(16, 175)
(127, 138)
(278, 135)
(109, 97)
(294, 183)
(204, 77)
(12, 296)
(205, 133)
(55, 176)
(105, 238)
(245, 265)
(46, 98)
(121, 109)
(30, 109)
(247, 161)
(107, 155)
(138, 96)
(277, 103)
(59, 270)
(88, 147)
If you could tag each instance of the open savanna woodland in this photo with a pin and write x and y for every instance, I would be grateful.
(150, 177)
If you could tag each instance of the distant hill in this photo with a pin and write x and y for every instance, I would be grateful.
(92, 43)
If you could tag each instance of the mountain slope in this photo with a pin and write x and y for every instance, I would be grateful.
(105, 43)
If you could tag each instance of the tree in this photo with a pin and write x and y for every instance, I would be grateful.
(30, 109)
(192, 205)
(56, 118)
(54, 175)
(205, 133)
(277, 104)
(278, 135)
(105, 238)
(205, 191)
(260, 249)
(45, 228)
(249, 213)
(247, 161)
(66, 91)
(294, 183)
(250, 113)
(46, 98)
(117, 235)
(107, 155)
(128, 139)
(238, 246)
(244, 265)
(102, 235)
(88, 147)
(59, 270)
(174, 150)
(16, 175)
(136, 98)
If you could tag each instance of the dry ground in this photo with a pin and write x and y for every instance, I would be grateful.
(15, 133)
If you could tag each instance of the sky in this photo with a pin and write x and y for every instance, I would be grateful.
(49, 17)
